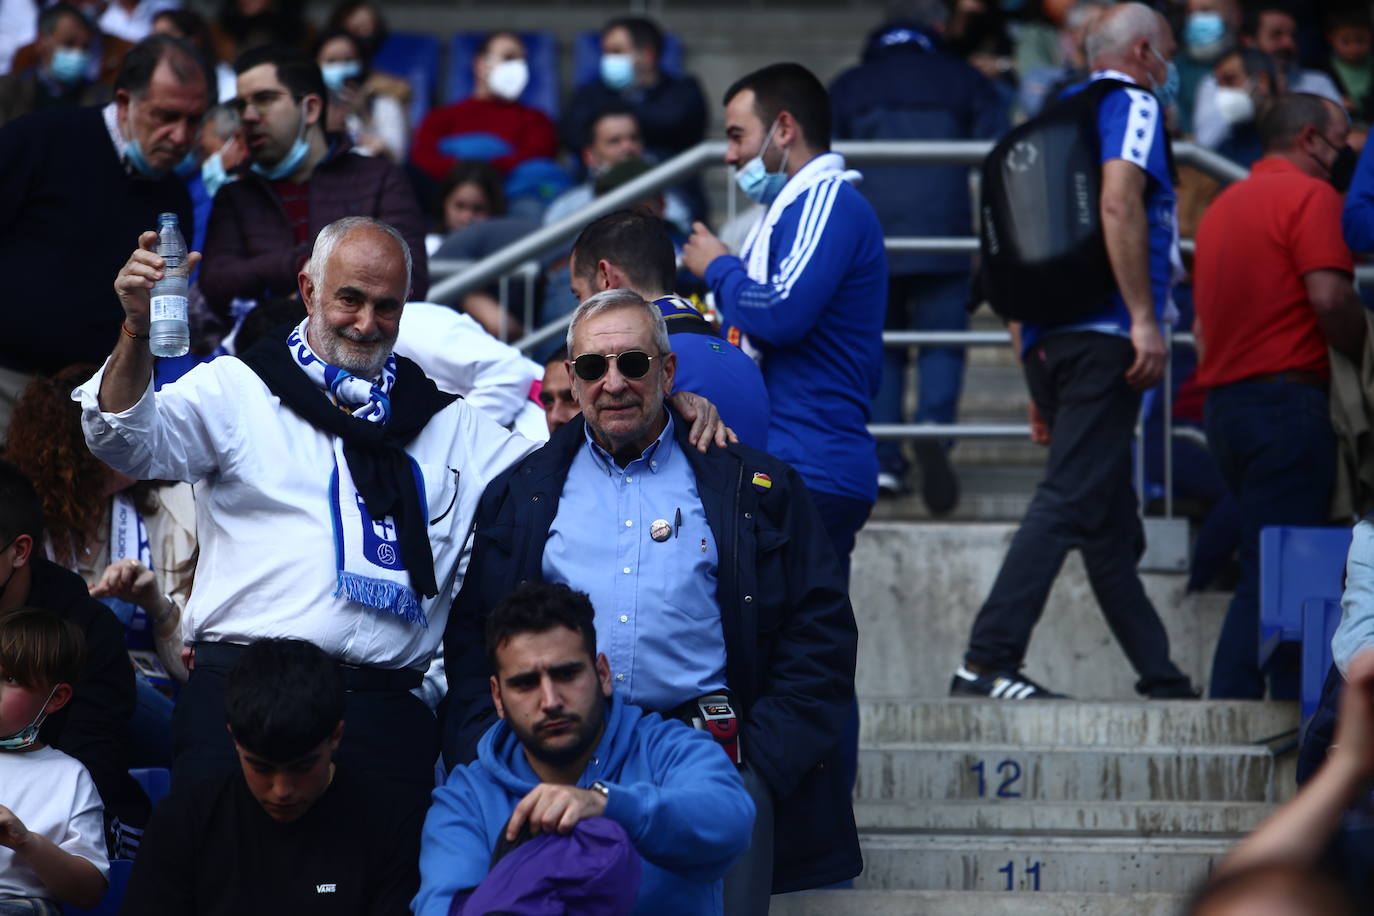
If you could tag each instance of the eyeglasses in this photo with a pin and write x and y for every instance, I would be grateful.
(633, 364)
(260, 100)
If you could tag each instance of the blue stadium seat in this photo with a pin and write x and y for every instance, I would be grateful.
(120, 869)
(156, 781)
(414, 57)
(587, 57)
(1296, 565)
(1319, 619)
(541, 51)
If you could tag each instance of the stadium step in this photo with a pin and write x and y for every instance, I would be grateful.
(953, 903)
(1100, 864)
(1171, 722)
(1087, 775)
(916, 588)
(1063, 818)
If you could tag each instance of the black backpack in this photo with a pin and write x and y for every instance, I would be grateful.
(1044, 258)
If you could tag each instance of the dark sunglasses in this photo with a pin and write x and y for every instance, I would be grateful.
(633, 364)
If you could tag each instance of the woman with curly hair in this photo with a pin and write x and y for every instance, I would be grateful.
(134, 542)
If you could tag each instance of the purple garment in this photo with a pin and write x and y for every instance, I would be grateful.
(594, 871)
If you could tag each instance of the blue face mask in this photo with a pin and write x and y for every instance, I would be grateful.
(617, 71)
(299, 150)
(69, 65)
(213, 174)
(1167, 91)
(134, 153)
(26, 736)
(1204, 30)
(759, 184)
(336, 73)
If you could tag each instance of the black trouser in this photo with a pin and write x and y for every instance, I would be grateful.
(388, 733)
(1086, 501)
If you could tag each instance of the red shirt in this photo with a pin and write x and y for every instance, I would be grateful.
(1255, 243)
(295, 200)
(528, 132)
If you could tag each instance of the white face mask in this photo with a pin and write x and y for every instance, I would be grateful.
(1235, 106)
(508, 79)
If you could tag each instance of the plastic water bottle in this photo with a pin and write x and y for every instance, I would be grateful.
(169, 334)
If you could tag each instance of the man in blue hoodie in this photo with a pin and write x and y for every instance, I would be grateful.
(567, 750)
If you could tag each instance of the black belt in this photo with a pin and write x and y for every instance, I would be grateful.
(1290, 377)
(357, 678)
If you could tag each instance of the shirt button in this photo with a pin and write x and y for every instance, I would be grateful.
(629, 524)
(653, 464)
(748, 599)
(624, 618)
(629, 480)
(626, 570)
(620, 677)
(748, 515)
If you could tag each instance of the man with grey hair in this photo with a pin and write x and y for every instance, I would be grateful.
(718, 596)
(1086, 377)
(76, 185)
(336, 487)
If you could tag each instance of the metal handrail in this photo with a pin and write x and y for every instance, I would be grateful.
(711, 152)
(525, 253)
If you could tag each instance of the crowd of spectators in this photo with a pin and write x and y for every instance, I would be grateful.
(318, 187)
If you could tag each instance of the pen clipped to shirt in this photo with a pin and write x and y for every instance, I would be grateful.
(677, 521)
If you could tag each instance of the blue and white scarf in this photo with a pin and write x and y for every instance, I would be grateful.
(367, 551)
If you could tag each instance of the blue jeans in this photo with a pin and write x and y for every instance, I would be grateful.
(1275, 447)
(926, 302)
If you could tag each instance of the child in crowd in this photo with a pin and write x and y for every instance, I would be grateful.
(1352, 63)
(52, 846)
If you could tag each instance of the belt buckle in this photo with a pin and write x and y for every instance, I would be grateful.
(717, 718)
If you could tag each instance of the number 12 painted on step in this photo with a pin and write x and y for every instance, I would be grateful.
(1009, 770)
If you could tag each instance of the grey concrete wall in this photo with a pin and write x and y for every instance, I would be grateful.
(916, 588)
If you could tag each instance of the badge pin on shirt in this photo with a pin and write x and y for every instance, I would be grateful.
(660, 530)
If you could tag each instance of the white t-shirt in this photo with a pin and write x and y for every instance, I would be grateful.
(55, 798)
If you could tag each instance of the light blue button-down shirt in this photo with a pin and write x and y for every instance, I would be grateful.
(656, 614)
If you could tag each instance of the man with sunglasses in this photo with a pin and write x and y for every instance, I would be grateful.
(298, 180)
(631, 249)
(718, 595)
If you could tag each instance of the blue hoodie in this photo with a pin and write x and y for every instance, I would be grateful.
(671, 787)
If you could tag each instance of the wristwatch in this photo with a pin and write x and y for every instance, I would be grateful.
(601, 787)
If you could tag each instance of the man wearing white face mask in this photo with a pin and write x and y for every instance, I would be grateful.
(669, 107)
(1208, 32)
(299, 179)
(491, 125)
(810, 289)
(1268, 26)
(1247, 84)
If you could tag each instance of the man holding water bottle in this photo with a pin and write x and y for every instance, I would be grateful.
(337, 485)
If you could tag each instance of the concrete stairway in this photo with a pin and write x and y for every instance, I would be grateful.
(1106, 804)
(969, 806)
